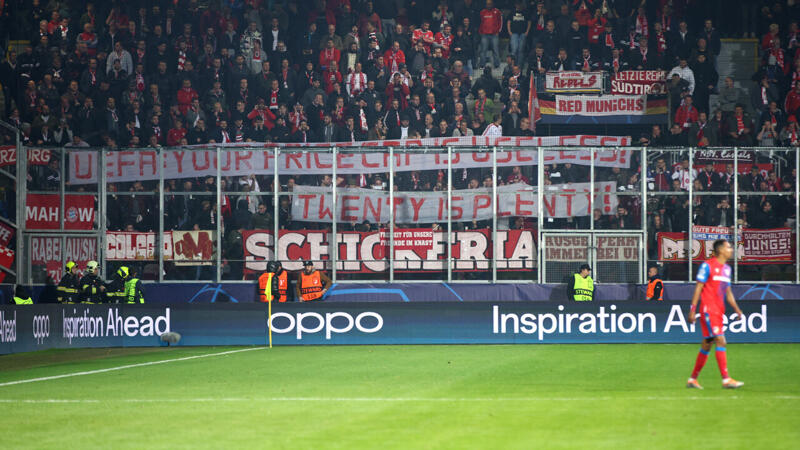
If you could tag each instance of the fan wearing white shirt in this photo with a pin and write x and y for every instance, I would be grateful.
(495, 129)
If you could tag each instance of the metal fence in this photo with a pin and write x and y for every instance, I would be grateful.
(453, 214)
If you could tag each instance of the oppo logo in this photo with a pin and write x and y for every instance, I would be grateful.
(41, 328)
(335, 322)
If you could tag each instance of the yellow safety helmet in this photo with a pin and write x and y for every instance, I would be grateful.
(91, 266)
(123, 272)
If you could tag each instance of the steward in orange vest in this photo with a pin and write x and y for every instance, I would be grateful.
(655, 287)
(274, 280)
(311, 284)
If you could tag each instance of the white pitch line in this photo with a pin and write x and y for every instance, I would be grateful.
(128, 366)
(386, 399)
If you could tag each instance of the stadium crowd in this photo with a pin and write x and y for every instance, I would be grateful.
(149, 74)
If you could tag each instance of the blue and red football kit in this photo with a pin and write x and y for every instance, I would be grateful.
(716, 277)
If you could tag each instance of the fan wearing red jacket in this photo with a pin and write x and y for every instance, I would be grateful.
(686, 114)
(394, 57)
(185, 96)
(397, 90)
(444, 39)
(792, 103)
(331, 77)
(425, 35)
(491, 24)
(328, 54)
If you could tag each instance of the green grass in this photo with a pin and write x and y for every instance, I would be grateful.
(498, 397)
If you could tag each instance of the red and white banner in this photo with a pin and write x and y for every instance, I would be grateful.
(364, 252)
(639, 82)
(36, 156)
(606, 105)
(6, 234)
(754, 246)
(193, 248)
(575, 248)
(574, 81)
(143, 165)
(42, 212)
(131, 245)
(6, 260)
(47, 252)
(314, 203)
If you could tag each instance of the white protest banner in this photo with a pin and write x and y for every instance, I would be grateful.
(575, 248)
(47, 252)
(639, 82)
(134, 245)
(355, 205)
(574, 81)
(365, 253)
(605, 105)
(143, 165)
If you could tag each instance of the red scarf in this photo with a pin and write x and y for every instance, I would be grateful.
(139, 82)
(181, 59)
(666, 23)
(586, 64)
(363, 120)
(479, 105)
(739, 124)
(700, 138)
(778, 54)
(616, 64)
(362, 81)
(661, 43)
(641, 25)
(273, 100)
(643, 51)
(609, 41)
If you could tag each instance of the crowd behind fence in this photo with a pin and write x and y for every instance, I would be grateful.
(218, 214)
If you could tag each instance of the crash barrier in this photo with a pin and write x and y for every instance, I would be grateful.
(176, 293)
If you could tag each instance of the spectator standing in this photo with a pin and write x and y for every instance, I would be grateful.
(491, 24)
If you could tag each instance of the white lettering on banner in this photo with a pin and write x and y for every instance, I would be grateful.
(141, 165)
(41, 327)
(639, 82)
(754, 247)
(130, 245)
(363, 323)
(606, 105)
(36, 156)
(607, 321)
(8, 328)
(47, 251)
(84, 325)
(574, 81)
(363, 252)
(315, 203)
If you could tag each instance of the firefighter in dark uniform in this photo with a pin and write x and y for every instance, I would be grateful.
(275, 281)
(70, 284)
(115, 290)
(93, 288)
(134, 292)
(311, 283)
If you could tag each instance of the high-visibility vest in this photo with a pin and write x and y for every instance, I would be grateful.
(23, 301)
(584, 287)
(310, 286)
(265, 287)
(651, 289)
(132, 293)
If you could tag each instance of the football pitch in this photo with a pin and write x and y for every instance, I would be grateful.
(475, 396)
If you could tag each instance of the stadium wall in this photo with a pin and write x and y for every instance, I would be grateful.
(176, 293)
(38, 327)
